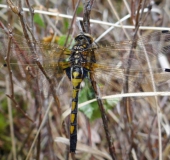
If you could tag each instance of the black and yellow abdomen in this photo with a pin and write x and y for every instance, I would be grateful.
(76, 79)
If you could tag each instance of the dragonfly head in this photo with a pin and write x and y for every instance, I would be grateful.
(84, 38)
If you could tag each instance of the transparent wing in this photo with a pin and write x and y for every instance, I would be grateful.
(30, 51)
(123, 54)
(119, 64)
(113, 80)
(44, 62)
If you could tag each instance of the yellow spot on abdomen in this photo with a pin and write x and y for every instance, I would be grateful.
(76, 82)
(74, 93)
(72, 118)
(73, 105)
(72, 128)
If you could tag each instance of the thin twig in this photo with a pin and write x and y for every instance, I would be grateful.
(118, 18)
(11, 90)
(154, 89)
(86, 16)
(31, 11)
(70, 27)
(7, 59)
(86, 28)
(19, 108)
(127, 101)
(40, 128)
(104, 118)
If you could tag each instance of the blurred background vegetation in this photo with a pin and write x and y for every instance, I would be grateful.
(17, 132)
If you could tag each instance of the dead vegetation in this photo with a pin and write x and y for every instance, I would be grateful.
(34, 121)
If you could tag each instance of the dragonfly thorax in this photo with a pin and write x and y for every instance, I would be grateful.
(81, 54)
(83, 42)
(76, 58)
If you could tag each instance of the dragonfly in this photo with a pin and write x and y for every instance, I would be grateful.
(111, 64)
